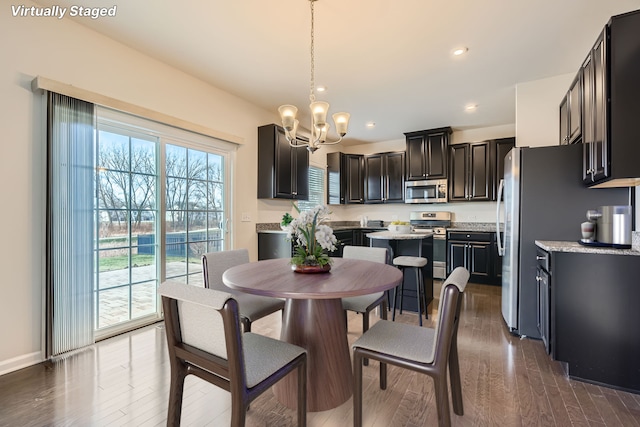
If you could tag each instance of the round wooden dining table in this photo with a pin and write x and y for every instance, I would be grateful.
(314, 319)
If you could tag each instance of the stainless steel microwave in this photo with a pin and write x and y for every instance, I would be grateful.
(428, 191)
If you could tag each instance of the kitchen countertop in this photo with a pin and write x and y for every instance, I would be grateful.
(274, 227)
(564, 246)
(474, 226)
(355, 225)
(389, 235)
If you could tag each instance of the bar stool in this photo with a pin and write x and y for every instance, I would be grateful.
(415, 262)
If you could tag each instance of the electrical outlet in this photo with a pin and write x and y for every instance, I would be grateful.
(245, 217)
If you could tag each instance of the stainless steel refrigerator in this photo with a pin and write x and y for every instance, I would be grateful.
(544, 199)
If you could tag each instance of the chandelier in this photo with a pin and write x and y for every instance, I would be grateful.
(319, 110)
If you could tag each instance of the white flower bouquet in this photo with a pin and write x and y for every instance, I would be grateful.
(312, 238)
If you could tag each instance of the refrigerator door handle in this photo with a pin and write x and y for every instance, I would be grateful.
(501, 245)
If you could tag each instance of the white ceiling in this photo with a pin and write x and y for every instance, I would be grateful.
(384, 61)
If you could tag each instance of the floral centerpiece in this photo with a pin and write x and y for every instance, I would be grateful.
(312, 240)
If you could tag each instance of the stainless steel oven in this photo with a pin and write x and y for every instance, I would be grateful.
(428, 191)
(437, 223)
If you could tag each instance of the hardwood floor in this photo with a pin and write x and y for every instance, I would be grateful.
(506, 381)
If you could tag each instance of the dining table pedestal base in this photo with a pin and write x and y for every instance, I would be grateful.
(319, 326)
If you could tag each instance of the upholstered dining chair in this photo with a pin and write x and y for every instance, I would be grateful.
(204, 338)
(364, 304)
(423, 350)
(252, 307)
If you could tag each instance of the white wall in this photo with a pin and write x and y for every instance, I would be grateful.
(68, 52)
(537, 110)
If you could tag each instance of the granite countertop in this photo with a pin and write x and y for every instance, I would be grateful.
(389, 235)
(564, 246)
(274, 227)
(474, 226)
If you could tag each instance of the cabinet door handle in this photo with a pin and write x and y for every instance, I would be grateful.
(539, 258)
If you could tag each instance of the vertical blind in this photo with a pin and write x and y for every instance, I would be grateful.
(70, 230)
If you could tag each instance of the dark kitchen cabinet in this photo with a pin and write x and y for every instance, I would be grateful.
(503, 146)
(384, 178)
(283, 171)
(472, 251)
(596, 142)
(571, 113)
(427, 153)
(610, 108)
(274, 244)
(345, 238)
(543, 280)
(592, 316)
(471, 171)
(345, 178)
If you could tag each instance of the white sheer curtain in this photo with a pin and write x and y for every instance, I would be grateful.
(70, 223)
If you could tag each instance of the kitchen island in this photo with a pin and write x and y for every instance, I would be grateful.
(409, 244)
(589, 297)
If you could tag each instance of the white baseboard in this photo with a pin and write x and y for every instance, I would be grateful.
(20, 362)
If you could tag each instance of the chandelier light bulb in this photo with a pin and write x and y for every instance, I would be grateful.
(288, 116)
(319, 111)
(342, 122)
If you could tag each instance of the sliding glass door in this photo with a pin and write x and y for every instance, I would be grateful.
(126, 225)
(162, 201)
(195, 216)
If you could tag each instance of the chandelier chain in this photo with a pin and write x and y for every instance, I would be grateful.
(312, 96)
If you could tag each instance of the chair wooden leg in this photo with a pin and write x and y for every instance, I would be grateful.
(395, 301)
(246, 324)
(383, 376)
(238, 412)
(365, 328)
(402, 290)
(454, 376)
(176, 391)
(424, 294)
(357, 389)
(302, 394)
(419, 296)
(383, 310)
(442, 400)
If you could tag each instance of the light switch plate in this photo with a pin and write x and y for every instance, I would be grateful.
(245, 217)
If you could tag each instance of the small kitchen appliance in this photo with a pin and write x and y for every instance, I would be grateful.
(613, 225)
(427, 191)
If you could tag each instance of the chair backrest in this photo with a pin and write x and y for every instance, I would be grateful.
(214, 264)
(201, 320)
(365, 253)
(449, 312)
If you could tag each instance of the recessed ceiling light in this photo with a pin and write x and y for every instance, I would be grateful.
(321, 88)
(461, 50)
(471, 107)
(370, 125)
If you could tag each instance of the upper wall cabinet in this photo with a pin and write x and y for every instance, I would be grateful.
(283, 171)
(384, 178)
(610, 107)
(345, 178)
(571, 113)
(426, 154)
(470, 173)
(476, 169)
